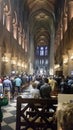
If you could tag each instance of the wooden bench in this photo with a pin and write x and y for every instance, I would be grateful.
(35, 114)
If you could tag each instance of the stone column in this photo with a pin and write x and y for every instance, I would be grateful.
(70, 9)
(0, 60)
(70, 62)
(51, 68)
(19, 36)
(8, 63)
(25, 45)
(14, 64)
(65, 65)
(15, 31)
(22, 42)
(70, 23)
(61, 30)
(8, 22)
(64, 30)
(65, 23)
(31, 55)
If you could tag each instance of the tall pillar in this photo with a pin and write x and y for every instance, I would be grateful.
(8, 64)
(61, 34)
(65, 65)
(0, 60)
(51, 68)
(31, 53)
(8, 22)
(65, 23)
(64, 30)
(70, 9)
(15, 31)
(70, 62)
(70, 23)
(13, 63)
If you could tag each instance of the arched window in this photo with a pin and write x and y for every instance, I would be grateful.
(15, 25)
(41, 51)
(37, 51)
(46, 50)
(6, 17)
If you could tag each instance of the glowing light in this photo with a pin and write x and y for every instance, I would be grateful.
(13, 62)
(57, 66)
(5, 59)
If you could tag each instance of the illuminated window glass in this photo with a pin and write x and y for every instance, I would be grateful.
(46, 62)
(41, 51)
(42, 61)
(37, 62)
(37, 50)
(46, 51)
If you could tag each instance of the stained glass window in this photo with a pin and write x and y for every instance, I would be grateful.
(46, 50)
(41, 51)
(37, 51)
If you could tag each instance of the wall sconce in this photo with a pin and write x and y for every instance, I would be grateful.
(71, 57)
(57, 66)
(25, 66)
(18, 64)
(13, 62)
(51, 71)
(65, 61)
(22, 65)
(5, 59)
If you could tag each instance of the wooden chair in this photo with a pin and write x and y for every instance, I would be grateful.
(35, 114)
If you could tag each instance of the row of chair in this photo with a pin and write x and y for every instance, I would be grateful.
(35, 114)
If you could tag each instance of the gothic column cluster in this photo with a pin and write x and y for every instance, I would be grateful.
(12, 40)
(66, 39)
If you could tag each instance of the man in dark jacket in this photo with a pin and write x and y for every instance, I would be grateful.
(45, 89)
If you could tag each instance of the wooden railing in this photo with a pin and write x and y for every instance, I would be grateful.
(35, 114)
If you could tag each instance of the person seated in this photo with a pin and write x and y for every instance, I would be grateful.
(45, 89)
(64, 116)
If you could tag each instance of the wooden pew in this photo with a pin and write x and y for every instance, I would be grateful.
(35, 114)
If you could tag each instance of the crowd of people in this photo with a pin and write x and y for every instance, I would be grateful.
(43, 84)
(40, 86)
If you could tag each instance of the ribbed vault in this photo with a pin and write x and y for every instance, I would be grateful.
(41, 21)
(41, 18)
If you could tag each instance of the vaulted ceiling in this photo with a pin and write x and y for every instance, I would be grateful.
(41, 19)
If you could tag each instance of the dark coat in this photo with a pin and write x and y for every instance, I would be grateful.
(3, 102)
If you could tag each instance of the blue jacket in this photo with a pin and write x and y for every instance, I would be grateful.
(18, 82)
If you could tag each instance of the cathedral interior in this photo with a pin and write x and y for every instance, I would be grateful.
(36, 36)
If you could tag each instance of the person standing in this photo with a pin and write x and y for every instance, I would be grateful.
(7, 86)
(45, 89)
(18, 83)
